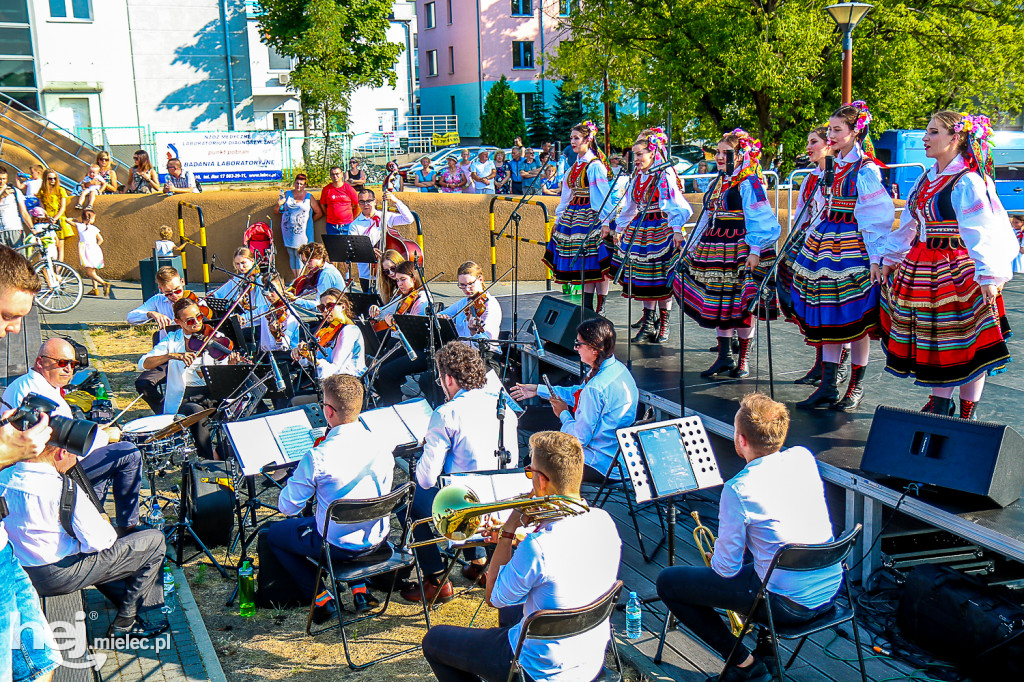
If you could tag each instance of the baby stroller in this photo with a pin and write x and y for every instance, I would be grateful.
(259, 237)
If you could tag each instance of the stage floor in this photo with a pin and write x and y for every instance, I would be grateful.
(836, 438)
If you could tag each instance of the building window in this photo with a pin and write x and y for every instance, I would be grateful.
(14, 12)
(526, 103)
(431, 62)
(429, 15)
(565, 7)
(522, 54)
(278, 62)
(449, 12)
(70, 9)
(16, 42)
(451, 59)
(522, 8)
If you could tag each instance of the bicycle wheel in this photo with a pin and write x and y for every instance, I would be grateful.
(66, 290)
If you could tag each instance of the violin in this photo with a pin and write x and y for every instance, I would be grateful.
(201, 303)
(475, 310)
(218, 345)
(279, 313)
(326, 334)
(393, 239)
(403, 307)
(306, 282)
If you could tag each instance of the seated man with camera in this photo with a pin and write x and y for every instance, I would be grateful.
(119, 464)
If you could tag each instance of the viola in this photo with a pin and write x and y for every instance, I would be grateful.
(403, 307)
(393, 239)
(305, 282)
(218, 345)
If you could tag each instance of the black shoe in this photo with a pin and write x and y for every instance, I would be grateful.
(364, 601)
(724, 363)
(764, 651)
(813, 376)
(323, 613)
(855, 391)
(139, 629)
(754, 673)
(828, 392)
(647, 327)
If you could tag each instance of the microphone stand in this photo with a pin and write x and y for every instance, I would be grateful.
(432, 323)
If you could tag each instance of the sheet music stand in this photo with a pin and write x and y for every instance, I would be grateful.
(222, 381)
(349, 248)
(361, 303)
(417, 330)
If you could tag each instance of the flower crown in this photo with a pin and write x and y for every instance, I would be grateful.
(657, 139)
(979, 127)
(590, 126)
(747, 144)
(864, 118)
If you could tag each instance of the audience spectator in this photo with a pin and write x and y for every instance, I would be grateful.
(515, 165)
(179, 181)
(92, 184)
(503, 173)
(164, 247)
(423, 177)
(107, 173)
(551, 186)
(530, 170)
(339, 202)
(31, 186)
(483, 171)
(356, 175)
(14, 216)
(298, 209)
(89, 252)
(142, 177)
(453, 179)
(54, 201)
(464, 165)
(702, 184)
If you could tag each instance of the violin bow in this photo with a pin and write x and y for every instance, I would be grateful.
(467, 300)
(242, 291)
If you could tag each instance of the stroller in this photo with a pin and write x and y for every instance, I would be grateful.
(259, 237)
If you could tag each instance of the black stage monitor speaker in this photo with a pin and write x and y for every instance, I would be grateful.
(557, 319)
(972, 457)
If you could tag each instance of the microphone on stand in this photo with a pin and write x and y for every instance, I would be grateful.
(406, 345)
(730, 162)
(830, 172)
(664, 165)
(278, 379)
(536, 338)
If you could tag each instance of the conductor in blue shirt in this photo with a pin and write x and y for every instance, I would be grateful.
(777, 499)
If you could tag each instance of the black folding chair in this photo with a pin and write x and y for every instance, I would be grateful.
(388, 559)
(562, 623)
(805, 558)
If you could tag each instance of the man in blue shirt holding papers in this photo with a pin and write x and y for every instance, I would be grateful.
(777, 499)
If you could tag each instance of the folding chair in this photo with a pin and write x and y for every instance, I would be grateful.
(563, 623)
(388, 559)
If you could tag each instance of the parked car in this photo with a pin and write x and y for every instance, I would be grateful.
(439, 158)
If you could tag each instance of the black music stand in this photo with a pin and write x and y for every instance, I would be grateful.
(349, 248)
(417, 330)
(361, 303)
(372, 339)
(223, 381)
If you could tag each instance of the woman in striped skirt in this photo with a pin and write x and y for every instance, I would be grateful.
(951, 254)
(584, 189)
(653, 213)
(837, 273)
(736, 235)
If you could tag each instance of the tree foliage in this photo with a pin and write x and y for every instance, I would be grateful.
(538, 130)
(773, 67)
(338, 46)
(568, 109)
(502, 121)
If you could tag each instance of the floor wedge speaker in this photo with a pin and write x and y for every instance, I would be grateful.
(557, 319)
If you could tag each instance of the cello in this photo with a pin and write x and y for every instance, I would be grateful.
(393, 239)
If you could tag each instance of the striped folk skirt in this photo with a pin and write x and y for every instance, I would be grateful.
(652, 258)
(832, 297)
(784, 274)
(936, 325)
(716, 289)
(578, 220)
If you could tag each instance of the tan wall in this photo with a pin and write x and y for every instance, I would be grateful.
(455, 229)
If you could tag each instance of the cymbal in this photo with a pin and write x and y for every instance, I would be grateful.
(181, 425)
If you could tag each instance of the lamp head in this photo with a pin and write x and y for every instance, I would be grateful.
(848, 14)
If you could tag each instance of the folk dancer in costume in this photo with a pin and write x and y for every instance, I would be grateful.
(411, 299)
(656, 235)
(341, 349)
(818, 149)
(159, 308)
(777, 499)
(564, 563)
(950, 256)
(462, 436)
(348, 463)
(368, 223)
(253, 303)
(584, 189)
(732, 247)
(836, 275)
(318, 276)
(279, 328)
(186, 389)
(592, 411)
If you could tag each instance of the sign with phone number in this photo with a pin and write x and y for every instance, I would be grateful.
(222, 156)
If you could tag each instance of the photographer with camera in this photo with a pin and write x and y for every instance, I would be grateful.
(119, 464)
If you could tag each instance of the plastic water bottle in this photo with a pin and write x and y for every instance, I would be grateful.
(633, 617)
(168, 590)
(246, 590)
(156, 517)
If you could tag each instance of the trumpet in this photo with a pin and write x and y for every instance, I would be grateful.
(705, 541)
(457, 512)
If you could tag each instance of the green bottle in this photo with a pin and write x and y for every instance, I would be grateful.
(246, 589)
(101, 393)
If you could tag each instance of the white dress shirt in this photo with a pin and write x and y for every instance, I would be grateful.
(349, 464)
(491, 318)
(179, 376)
(32, 491)
(463, 435)
(564, 564)
(371, 226)
(329, 277)
(289, 339)
(776, 500)
(157, 303)
(34, 382)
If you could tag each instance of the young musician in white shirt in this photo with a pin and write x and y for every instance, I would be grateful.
(341, 353)
(410, 300)
(777, 499)
(274, 335)
(564, 563)
(369, 223)
(253, 303)
(478, 314)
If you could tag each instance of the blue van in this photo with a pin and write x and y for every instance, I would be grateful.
(905, 146)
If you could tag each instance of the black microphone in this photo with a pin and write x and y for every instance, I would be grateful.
(830, 172)
(664, 165)
(278, 379)
(536, 338)
(406, 345)
(730, 161)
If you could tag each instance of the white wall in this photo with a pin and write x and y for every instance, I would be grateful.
(368, 102)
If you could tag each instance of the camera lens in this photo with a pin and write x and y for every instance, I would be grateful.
(74, 435)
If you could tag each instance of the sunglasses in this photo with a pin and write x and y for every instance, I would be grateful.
(530, 471)
(61, 362)
(174, 292)
(192, 321)
(577, 344)
(389, 271)
(324, 307)
(366, 201)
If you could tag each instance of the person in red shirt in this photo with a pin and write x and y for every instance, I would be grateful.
(340, 203)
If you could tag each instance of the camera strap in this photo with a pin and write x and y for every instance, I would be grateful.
(68, 498)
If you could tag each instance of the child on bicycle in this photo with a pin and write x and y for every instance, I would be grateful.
(90, 253)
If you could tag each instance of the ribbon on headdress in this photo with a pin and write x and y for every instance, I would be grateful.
(657, 142)
(862, 127)
(749, 149)
(979, 142)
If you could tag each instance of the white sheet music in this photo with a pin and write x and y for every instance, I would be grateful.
(386, 425)
(277, 439)
(415, 414)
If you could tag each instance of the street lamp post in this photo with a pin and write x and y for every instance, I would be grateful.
(847, 15)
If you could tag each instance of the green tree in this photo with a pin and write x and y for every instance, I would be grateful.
(502, 121)
(338, 46)
(773, 66)
(538, 130)
(568, 110)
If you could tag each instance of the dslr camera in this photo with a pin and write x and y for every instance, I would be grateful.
(74, 435)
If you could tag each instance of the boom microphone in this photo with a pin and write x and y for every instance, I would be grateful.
(730, 161)
(540, 343)
(664, 165)
(278, 379)
(406, 345)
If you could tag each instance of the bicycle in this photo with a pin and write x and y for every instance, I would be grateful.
(62, 286)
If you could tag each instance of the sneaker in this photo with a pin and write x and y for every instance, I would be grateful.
(364, 601)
